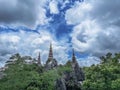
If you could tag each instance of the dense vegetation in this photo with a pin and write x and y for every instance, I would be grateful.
(104, 76)
(21, 76)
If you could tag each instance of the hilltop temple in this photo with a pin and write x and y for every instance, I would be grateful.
(39, 60)
(77, 70)
(51, 61)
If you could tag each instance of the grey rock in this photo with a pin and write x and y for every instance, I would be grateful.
(60, 84)
(50, 64)
(79, 74)
(71, 81)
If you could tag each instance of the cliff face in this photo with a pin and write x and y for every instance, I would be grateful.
(71, 80)
(78, 73)
(60, 84)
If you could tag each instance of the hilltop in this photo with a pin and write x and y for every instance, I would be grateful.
(27, 73)
(20, 75)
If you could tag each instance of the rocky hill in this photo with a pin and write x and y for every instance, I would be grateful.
(21, 75)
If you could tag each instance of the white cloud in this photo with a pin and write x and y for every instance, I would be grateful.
(11, 39)
(20, 12)
(84, 35)
(30, 43)
(97, 26)
(88, 61)
(78, 13)
(53, 7)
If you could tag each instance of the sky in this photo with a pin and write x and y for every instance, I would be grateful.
(91, 27)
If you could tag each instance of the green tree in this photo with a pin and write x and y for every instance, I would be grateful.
(104, 76)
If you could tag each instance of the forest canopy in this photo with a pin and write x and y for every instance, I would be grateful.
(21, 76)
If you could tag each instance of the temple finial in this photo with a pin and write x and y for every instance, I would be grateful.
(73, 56)
(50, 52)
(39, 59)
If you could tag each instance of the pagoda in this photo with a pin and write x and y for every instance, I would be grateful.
(39, 60)
(77, 69)
(51, 62)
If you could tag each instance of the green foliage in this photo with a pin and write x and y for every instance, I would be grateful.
(105, 76)
(21, 76)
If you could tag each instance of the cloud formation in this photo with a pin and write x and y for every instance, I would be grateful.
(31, 12)
(97, 28)
(31, 43)
(53, 7)
(91, 27)
(26, 12)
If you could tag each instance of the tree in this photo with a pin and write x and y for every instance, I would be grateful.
(104, 76)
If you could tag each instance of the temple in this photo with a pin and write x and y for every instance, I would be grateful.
(77, 70)
(39, 60)
(73, 57)
(50, 52)
(51, 62)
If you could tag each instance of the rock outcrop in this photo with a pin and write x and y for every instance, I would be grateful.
(60, 84)
(71, 79)
(50, 64)
(76, 69)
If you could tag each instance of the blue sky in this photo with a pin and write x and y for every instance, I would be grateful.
(88, 26)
